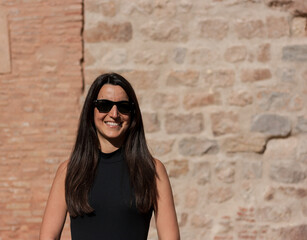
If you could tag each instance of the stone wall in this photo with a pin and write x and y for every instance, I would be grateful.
(222, 88)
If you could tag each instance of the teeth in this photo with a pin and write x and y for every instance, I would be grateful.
(112, 123)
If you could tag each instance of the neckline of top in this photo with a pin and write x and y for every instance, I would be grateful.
(105, 157)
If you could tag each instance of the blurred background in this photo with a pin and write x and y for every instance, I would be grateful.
(222, 86)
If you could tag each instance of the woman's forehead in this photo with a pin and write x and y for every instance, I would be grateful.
(112, 92)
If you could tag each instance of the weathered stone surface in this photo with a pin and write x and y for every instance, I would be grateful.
(151, 122)
(302, 150)
(271, 125)
(201, 221)
(287, 172)
(160, 148)
(150, 57)
(165, 101)
(179, 55)
(201, 99)
(181, 123)
(214, 28)
(244, 143)
(264, 52)
(277, 27)
(281, 149)
(177, 168)
(164, 31)
(220, 194)
(273, 99)
(250, 29)
(202, 172)
(197, 146)
(103, 31)
(289, 233)
(201, 56)
(301, 125)
(285, 194)
(219, 78)
(295, 53)
(240, 98)
(251, 169)
(235, 54)
(5, 58)
(225, 171)
(224, 123)
(274, 214)
(254, 75)
(107, 8)
(142, 79)
(191, 198)
(298, 27)
(184, 78)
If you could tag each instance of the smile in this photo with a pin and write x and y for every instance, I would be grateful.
(113, 124)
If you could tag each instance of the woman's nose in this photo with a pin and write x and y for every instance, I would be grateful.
(113, 112)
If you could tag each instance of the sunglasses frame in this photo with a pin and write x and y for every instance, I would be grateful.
(97, 101)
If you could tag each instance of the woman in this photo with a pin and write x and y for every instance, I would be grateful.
(111, 184)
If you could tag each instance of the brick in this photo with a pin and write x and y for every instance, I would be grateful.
(240, 98)
(160, 148)
(224, 123)
(214, 29)
(264, 52)
(197, 146)
(164, 31)
(184, 78)
(271, 99)
(244, 143)
(235, 54)
(271, 125)
(254, 75)
(105, 32)
(219, 78)
(192, 100)
(277, 27)
(5, 58)
(225, 171)
(177, 168)
(181, 123)
(248, 29)
(295, 53)
(151, 122)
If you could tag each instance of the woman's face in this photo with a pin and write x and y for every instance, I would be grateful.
(111, 126)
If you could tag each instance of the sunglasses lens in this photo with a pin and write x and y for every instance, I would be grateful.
(124, 107)
(104, 106)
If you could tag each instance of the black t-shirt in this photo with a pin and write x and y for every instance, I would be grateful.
(116, 216)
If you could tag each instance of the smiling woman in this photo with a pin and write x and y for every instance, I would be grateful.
(111, 184)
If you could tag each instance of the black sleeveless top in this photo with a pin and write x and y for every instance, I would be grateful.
(115, 215)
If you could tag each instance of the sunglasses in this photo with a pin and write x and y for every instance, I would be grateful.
(104, 106)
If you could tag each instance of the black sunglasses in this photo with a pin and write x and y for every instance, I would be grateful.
(104, 106)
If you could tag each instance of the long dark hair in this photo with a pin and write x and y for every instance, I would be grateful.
(83, 161)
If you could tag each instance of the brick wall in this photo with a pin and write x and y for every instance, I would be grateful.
(222, 87)
(39, 105)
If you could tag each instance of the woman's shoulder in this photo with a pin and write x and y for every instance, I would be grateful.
(62, 169)
(160, 168)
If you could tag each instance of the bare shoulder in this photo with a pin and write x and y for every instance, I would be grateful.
(62, 169)
(160, 168)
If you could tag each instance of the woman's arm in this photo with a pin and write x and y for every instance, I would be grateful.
(56, 210)
(166, 219)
